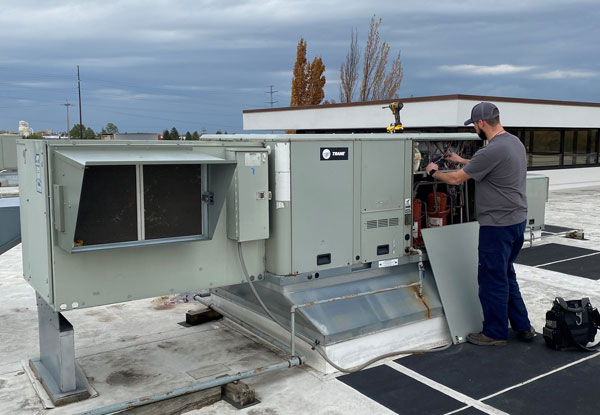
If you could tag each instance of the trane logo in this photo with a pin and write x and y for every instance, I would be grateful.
(335, 153)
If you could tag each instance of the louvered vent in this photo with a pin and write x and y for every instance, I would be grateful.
(382, 223)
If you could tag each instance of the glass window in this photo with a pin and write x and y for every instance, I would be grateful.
(546, 148)
(546, 141)
(582, 139)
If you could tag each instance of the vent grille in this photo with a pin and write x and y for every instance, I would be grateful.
(382, 223)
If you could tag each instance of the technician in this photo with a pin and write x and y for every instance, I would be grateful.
(499, 170)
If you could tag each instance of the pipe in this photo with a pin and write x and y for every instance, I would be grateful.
(421, 267)
(158, 397)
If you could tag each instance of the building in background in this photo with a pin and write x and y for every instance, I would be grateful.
(131, 136)
(561, 137)
(24, 129)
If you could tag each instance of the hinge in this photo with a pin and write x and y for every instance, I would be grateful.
(208, 198)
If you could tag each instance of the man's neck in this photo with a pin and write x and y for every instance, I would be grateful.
(497, 130)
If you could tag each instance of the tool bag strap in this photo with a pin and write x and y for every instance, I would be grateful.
(561, 302)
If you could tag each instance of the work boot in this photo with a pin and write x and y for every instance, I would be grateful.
(528, 335)
(481, 339)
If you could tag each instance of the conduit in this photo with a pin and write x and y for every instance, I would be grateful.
(111, 409)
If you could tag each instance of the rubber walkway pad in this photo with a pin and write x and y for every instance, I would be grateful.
(470, 411)
(399, 392)
(479, 371)
(543, 254)
(586, 267)
(556, 229)
(573, 390)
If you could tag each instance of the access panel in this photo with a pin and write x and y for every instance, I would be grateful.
(322, 204)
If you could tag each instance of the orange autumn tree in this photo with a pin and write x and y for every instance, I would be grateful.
(308, 80)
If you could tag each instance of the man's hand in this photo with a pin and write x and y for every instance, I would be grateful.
(431, 166)
(455, 158)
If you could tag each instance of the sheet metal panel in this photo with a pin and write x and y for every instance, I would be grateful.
(452, 252)
(114, 156)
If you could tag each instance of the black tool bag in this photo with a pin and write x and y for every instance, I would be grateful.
(571, 323)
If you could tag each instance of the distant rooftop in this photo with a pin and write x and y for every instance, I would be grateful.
(419, 112)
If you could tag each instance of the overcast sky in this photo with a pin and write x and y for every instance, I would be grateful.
(147, 65)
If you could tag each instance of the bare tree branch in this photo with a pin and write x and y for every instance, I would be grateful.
(377, 83)
(370, 59)
(349, 70)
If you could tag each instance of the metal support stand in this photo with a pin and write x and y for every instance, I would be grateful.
(56, 369)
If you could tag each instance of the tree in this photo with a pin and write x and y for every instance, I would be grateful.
(316, 82)
(188, 136)
(88, 133)
(349, 70)
(299, 80)
(166, 135)
(377, 82)
(195, 136)
(174, 134)
(308, 80)
(110, 129)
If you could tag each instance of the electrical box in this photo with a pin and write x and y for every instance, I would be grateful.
(248, 198)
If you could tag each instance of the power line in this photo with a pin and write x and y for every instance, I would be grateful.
(271, 92)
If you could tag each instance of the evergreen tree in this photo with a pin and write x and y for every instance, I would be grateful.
(195, 136)
(166, 135)
(188, 136)
(174, 134)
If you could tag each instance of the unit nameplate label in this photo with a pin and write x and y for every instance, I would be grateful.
(333, 153)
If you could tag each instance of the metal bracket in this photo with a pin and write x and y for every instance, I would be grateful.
(208, 198)
(56, 368)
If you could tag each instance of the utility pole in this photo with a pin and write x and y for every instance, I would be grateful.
(271, 92)
(80, 118)
(68, 124)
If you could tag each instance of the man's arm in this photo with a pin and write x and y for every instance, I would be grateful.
(456, 158)
(453, 177)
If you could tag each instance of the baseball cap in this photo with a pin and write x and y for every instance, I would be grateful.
(483, 111)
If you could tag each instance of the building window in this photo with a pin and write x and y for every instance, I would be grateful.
(546, 149)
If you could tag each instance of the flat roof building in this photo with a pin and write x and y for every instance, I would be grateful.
(561, 137)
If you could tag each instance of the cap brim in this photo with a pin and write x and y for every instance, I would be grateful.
(469, 121)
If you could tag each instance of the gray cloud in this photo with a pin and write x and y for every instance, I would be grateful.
(198, 64)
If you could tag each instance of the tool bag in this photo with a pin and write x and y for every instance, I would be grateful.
(572, 323)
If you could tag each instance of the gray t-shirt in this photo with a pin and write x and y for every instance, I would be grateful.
(500, 174)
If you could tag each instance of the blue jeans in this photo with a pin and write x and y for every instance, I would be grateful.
(499, 293)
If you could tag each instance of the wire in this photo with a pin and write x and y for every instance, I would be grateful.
(314, 343)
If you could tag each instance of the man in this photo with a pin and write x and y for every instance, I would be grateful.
(499, 170)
